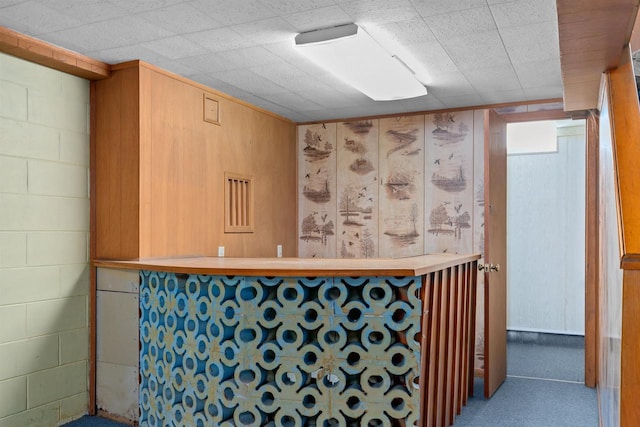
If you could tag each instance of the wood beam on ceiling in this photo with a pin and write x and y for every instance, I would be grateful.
(39, 52)
(593, 34)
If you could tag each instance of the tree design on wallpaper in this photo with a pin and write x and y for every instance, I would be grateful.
(360, 165)
(314, 231)
(361, 127)
(400, 184)
(442, 222)
(351, 207)
(403, 228)
(451, 183)
(445, 131)
(401, 140)
(367, 245)
(315, 148)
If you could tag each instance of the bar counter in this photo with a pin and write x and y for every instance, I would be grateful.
(297, 342)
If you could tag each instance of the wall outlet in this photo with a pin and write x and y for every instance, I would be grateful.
(279, 251)
(220, 251)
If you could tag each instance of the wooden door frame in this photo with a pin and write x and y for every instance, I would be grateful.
(591, 230)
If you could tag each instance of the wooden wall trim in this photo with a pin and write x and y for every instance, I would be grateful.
(48, 55)
(92, 253)
(592, 268)
(142, 64)
(625, 124)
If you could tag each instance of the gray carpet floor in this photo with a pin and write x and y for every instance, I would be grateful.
(544, 388)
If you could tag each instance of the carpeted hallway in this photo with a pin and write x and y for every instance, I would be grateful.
(544, 388)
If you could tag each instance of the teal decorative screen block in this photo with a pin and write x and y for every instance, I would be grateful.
(257, 351)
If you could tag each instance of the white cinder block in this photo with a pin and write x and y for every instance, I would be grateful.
(14, 101)
(43, 416)
(13, 396)
(73, 407)
(47, 317)
(74, 280)
(27, 212)
(74, 345)
(56, 247)
(24, 357)
(13, 249)
(75, 88)
(57, 179)
(117, 328)
(60, 112)
(13, 174)
(22, 285)
(74, 214)
(23, 139)
(57, 383)
(12, 323)
(111, 279)
(28, 74)
(74, 147)
(117, 390)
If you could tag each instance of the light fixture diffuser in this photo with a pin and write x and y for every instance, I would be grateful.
(352, 55)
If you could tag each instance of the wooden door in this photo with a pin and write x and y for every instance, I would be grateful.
(495, 252)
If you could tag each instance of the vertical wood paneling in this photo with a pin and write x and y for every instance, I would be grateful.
(160, 169)
(591, 254)
(447, 343)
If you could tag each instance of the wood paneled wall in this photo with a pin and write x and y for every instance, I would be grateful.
(619, 240)
(160, 169)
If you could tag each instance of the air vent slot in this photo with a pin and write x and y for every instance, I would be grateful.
(238, 198)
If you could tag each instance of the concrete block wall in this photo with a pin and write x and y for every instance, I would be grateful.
(44, 240)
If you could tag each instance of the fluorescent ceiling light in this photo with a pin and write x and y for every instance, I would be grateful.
(352, 55)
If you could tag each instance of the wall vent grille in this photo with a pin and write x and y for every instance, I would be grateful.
(238, 196)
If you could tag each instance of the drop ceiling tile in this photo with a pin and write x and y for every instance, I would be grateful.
(88, 11)
(177, 68)
(88, 38)
(181, 19)
(524, 12)
(5, 3)
(274, 108)
(401, 34)
(288, 52)
(461, 23)
(543, 32)
(438, 7)
(433, 58)
(220, 39)
(538, 74)
(450, 84)
(546, 92)
(316, 19)
(248, 57)
(493, 79)
(294, 102)
(233, 12)
(421, 103)
(284, 7)
(499, 97)
(282, 72)
(267, 31)
(142, 5)
(16, 26)
(481, 50)
(533, 53)
(175, 47)
(38, 18)
(471, 100)
(249, 81)
(207, 63)
(334, 99)
(380, 11)
(127, 53)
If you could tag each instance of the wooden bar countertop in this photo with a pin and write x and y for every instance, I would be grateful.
(291, 267)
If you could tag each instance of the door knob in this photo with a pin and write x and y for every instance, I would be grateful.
(493, 267)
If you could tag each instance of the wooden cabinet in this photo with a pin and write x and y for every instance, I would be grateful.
(160, 163)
